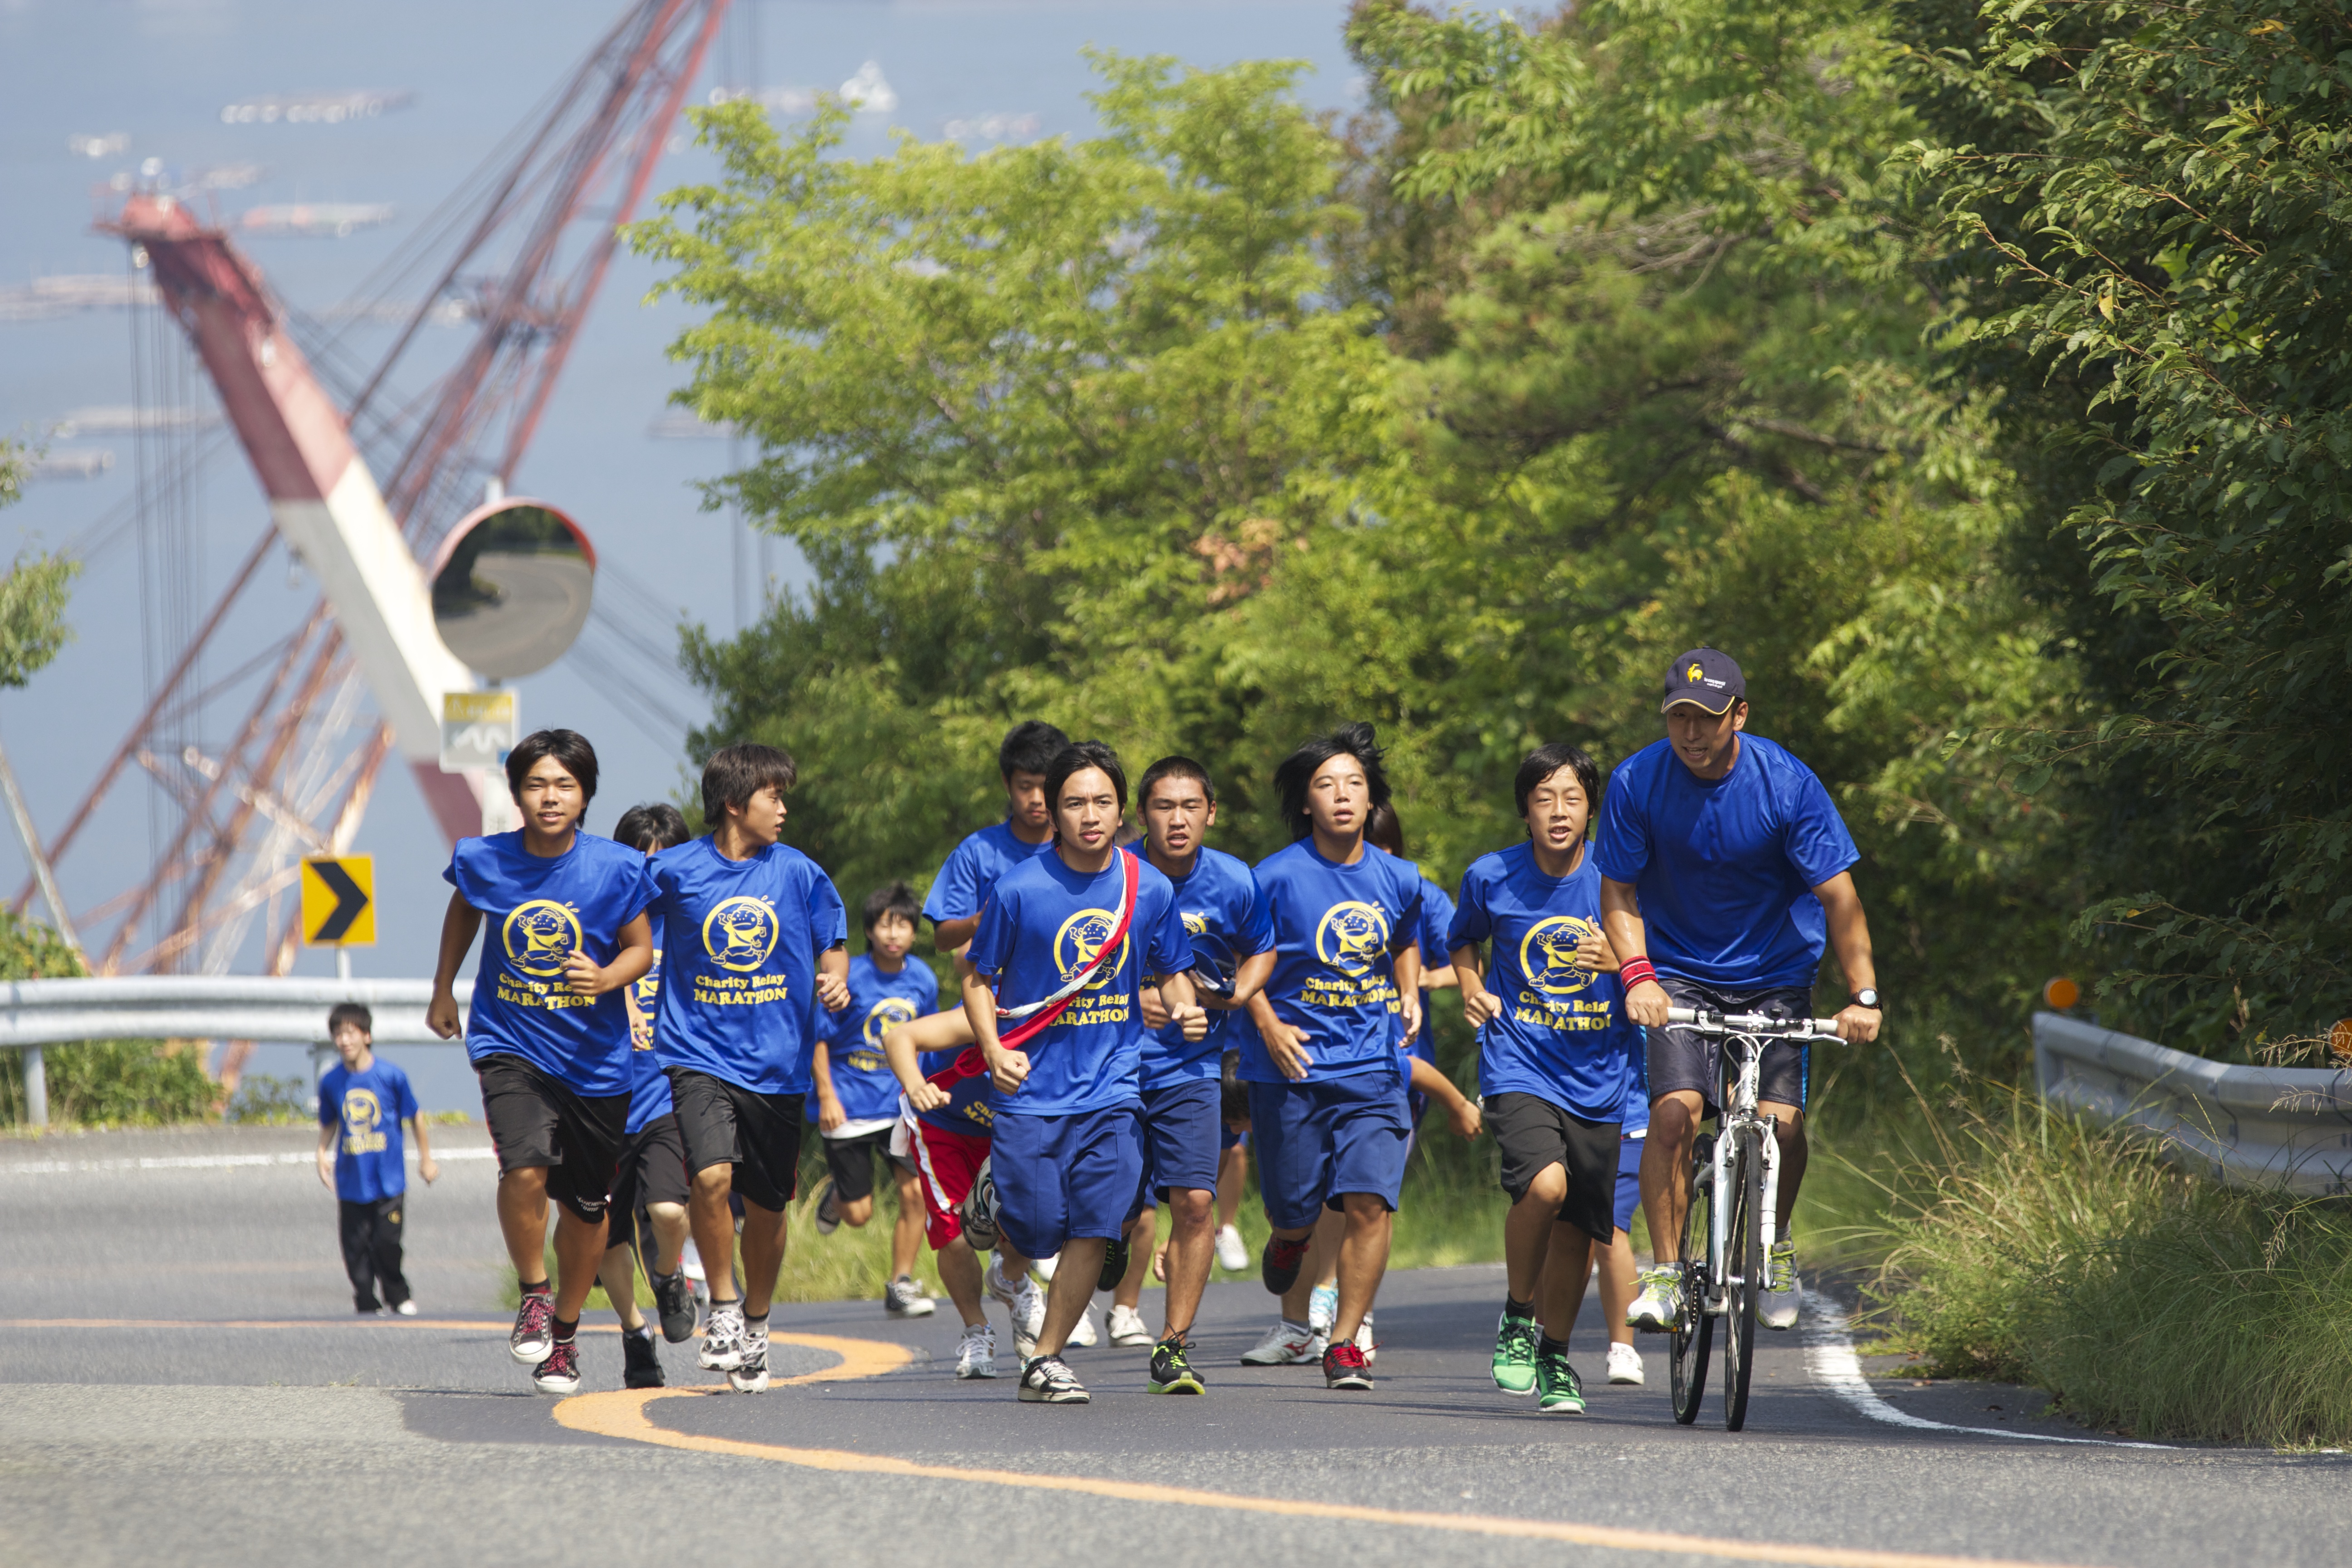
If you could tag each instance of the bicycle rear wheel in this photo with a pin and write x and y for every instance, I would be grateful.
(1690, 1342)
(1744, 1250)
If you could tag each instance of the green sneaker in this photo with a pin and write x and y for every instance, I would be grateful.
(1562, 1394)
(1515, 1354)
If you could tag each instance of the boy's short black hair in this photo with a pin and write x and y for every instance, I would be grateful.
(569, 747)
(1297, 770)
(656, 825)
(1383, 830)
(343, 1013)
(1549, 759)
(1175, 768)
(1077, 758)
(736, 773)
(1030, 747)
(896, 899)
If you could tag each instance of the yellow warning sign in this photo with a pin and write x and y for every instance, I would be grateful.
(339, 901)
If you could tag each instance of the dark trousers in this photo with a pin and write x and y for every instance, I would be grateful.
(372, 1251)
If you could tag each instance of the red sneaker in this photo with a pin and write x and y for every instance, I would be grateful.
(1343, 1367)
(1278, 1265)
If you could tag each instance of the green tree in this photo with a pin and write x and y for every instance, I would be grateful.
(2153, 206)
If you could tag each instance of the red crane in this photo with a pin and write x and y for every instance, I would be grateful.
(521, 250)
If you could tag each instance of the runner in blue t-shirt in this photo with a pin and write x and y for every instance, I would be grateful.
(361, 1104)
(1068, 1152)
(752, 938)
(973, 866)
(855, 1106)
(1326, 1074)
(548, 1031)
(1555, 1060)
(1233, 953)
(649, 1184)
(1725, 871)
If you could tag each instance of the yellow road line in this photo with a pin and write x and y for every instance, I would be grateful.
(623, 1414)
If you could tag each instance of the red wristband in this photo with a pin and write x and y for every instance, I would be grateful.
(1634, 971)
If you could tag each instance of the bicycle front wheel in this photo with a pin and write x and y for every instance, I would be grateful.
(1690, 1342)
(1744, 1264)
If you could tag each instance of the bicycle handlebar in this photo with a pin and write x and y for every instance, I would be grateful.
(1707, 1022)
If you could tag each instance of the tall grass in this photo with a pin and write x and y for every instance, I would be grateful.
(2024, 1245)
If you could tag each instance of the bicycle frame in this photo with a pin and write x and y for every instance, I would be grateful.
(1738, 1115)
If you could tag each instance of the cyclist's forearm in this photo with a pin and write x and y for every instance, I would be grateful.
(1620, 922)
(1849, 931)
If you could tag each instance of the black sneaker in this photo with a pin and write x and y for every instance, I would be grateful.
(1170, 1373)
(1278, 1264)
(560, 1372)
(674, 1300)
(1114, 1268)
(1046, 1380)
(534, 1332)
(828, 1218)
(641, 1364)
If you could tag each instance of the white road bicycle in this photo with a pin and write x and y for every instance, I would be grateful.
(1729, 1229)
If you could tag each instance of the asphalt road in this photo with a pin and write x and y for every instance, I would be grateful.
(181, 1381)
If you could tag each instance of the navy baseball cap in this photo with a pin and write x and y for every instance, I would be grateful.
(1707, 678)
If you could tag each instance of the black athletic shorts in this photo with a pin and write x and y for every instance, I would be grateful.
(1684, 1059)
(537, 1119)
(726, 1124)
(850, 1161)
(1533, 1132)
(652, 1171)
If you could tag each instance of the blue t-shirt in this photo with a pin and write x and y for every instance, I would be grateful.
(649, 1096)
(1725, 870)
(1042, 922)
(1335, 930)
(967, 1111)
(741, 941)
(368, 1107)
(1635, 1122)
(878, 1002)
(1562, 1034)
(1436, 918)
(1225, 921)
(537, 912)
(972, 868)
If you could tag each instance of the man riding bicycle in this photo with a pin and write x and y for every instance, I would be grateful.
(1725, 868)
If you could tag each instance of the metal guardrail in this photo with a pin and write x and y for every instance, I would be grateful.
(2272, 1127)
(210, 1007)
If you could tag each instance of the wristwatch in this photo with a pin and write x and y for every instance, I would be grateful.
(1868, 998)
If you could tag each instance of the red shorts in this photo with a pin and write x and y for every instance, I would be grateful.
(948, 1163)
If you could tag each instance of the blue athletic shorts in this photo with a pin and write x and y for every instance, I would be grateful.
(1228, 1139)
(1629, 1180)
(1321, 1139)
(1063, 1178)
(1180, 1143)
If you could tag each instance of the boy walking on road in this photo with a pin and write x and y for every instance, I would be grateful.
(362, 1105)
(752, 938)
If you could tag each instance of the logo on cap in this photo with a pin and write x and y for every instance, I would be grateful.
(1693, 674)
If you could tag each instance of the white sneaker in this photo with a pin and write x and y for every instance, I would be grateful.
(690, 1265)
(1028, 1310)
(1624, 1364)
(751, 1375)
(976, 1352)
(1232, 1256)
(1658, 1304)
(1776, 1305)
(1285, 1344)
(1364, 1339)
(994, 1283)
(1086, 1335)
(1322, 1308)
(1045, 1267)
(722, 1338)
(407, 1308)
(1127, 1327)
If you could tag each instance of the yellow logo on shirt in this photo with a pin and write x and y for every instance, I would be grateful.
(1353, 938)
(740, 933)
(363, 1122)
(885, 1016)
(1547, 955)
(540, 937)
(1078, 941)
(1196, 922)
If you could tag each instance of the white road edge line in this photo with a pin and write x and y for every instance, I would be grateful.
(205, 1161)
(1829, 1358)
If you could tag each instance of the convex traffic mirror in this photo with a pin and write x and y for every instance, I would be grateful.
(511, 587)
